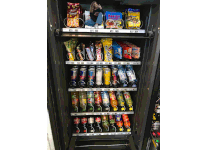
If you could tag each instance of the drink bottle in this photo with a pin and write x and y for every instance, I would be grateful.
(82, 81)
(74, 72)
(77, 126)
(114, 77)
(75, 101)
(112, 124)
(118, 120)
(90, 125)
(97, 124)
(98, 101)
(105, 123)
(99, 73)
(91, 75)
(113, 101)
(106, 102)
(90, 101)
(106, 76)
(128, 100)
(83, 101)
(84, 125)
(121, 102)
(127, 123)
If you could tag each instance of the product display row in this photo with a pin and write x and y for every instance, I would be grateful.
(100, 124)
(76, 18)
(104, 50)
(101, 101)
(103, 76)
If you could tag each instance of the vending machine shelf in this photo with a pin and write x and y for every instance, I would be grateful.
(101, 89)
(97, 134)
(103, 63)
(101, 113)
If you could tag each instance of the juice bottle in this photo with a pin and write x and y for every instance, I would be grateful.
(127, 123)
(75, 101)
(83, 101)
(128, 100)
(121, 101)
(113, 100)
(98, 101)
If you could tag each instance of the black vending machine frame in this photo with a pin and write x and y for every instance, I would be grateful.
(57, 81)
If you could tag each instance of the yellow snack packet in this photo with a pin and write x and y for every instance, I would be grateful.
(108, 53)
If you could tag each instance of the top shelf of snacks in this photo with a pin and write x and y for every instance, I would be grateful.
(86, 23)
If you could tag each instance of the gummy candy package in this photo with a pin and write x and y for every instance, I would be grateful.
(135, 50)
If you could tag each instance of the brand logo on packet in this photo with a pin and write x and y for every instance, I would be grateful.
(84, 120)
(98, 119)
(76, 120)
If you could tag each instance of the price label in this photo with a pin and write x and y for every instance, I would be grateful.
(70, 30)
(91, 30)
(96, 30)
(111, 30)
(117, 31)
(82, 62)
(75, 62)
(131, 31)
(76, 30)
(136, 31)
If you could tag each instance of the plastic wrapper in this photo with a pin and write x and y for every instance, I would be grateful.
(113, 20)
(131, 75)
(132, 18)
(135, 50)
(73, 13)
(108, 53)
(122, 76)
(98, 46)
(127, 51)
(117, 50)
(70, 47)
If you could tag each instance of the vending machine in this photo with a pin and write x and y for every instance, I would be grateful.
(101, 72)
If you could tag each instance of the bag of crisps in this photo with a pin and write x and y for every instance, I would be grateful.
(108, 53)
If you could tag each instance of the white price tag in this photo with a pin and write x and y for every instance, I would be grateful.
(96, 30)
(111, 30)
(70, 30)
(76, 30)
(136, 31)
(91, 30)
(117, 31)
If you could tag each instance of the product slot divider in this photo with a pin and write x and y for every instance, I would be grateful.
(101, 89)
(97, 134)
(101, 113)
(103, 63)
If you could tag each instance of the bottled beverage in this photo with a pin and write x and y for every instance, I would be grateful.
(90, 101)
(74, 72)
(90, 125)
(99, 73)
(106, 102)
(121, 102)
(98, 101)
(128, 100)
(113, 100)
(131, 75)
(83, 101)
(98, 126)
(82, 81)
(106, 75)
(114, 77)
(112, 124)
(105, 123)
(91, 75)
(84, 125)
(122, 76)
(119, 123)
(76, 123)
(75, 102)
(127, 123)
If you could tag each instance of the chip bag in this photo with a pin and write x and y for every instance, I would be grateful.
(108, 53)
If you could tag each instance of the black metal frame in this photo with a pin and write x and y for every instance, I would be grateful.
(59, 87)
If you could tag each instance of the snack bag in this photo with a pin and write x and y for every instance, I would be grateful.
(133, 18)
(117, 50)
(70, 46)
(113, 20)
(135, 50)
(107, 44)
(87, 17)
(73, 13)
(127, 51)
(98, 46)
